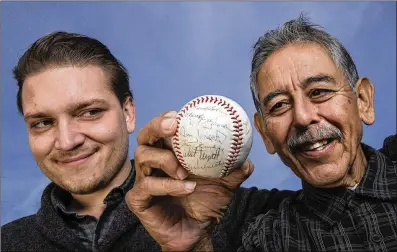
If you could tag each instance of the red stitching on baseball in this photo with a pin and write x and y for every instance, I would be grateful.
(176, 137)
(236, 141)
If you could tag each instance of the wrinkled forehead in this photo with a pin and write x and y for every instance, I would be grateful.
(59, 88)
(292, 64)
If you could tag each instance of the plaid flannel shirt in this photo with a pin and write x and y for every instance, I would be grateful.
(339, 219)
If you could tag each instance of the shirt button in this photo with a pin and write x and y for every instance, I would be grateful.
(376, 238)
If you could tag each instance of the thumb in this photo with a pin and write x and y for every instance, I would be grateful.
(239, 175)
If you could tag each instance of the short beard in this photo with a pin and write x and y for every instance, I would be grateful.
(91, 186)
(109, 175)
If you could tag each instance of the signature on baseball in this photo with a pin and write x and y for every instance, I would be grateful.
(203, 152)
(214, 134)
(205, 129)
(206, 122)
(197, 135)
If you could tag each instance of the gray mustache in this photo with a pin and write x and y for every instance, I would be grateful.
(312, 135)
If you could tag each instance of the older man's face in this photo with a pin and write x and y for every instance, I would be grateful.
(312, 117)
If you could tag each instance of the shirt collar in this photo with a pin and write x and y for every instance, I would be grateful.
(379, 182)
(380, 179)
(61, 198)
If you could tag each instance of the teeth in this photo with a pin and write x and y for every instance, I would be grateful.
(316, 146)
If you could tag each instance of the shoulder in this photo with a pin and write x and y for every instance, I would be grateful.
(246, 205)
(255, 202)
(18, 232)
(389, 147)
(272, 205)
(18, 224)
(251, 202)
(263, 199)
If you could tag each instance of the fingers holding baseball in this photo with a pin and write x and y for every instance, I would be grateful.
(238, 175)
(148, 158)
(161, 127)
(139, 197)
(233, 180)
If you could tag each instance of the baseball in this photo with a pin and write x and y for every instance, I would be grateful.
(213, 137)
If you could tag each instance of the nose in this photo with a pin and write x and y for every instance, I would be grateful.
(68, 136)
(305, 114)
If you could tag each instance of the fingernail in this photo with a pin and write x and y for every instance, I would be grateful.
(189, 186)
(181, 173)
(169, 119)
(170, 114)
(168, 122)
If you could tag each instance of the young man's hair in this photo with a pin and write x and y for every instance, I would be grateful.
(63, 49)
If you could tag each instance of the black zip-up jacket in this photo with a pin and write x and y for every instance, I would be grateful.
(46, 231)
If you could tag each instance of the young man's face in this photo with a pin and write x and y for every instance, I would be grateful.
(78, 131)
(305, 96)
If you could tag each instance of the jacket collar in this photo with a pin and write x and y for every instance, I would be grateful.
(55, 229)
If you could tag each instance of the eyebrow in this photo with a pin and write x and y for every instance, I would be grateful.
(316, 79)
(74, 107)
(305, 83)
(272, 95)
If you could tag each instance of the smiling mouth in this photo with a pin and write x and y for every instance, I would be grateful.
(76, 159)
(314, 146)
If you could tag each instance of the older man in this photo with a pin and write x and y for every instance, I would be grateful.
(311, 105)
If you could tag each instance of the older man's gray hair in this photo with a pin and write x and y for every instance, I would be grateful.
(299, 30)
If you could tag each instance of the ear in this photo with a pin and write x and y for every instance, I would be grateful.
(129, 114)
(365, 100)
(261, 128)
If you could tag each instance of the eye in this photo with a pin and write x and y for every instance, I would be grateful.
(41, 124)
(92, 113)
(319, 92)
(279, 107)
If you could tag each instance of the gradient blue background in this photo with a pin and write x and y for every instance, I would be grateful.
(177, 51)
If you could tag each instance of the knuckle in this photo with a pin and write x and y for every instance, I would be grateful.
(152, 139)
(149, 133)
(140, 153)
(166, 163)
(167, 160)
(130, 196)
(140, 135)
(145, 183)
(170, 185)
(153, 126)
(166, 183)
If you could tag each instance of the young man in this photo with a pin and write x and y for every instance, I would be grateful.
(311, 106)
(75, 98)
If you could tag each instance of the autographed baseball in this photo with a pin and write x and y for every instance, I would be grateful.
(213, 137)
